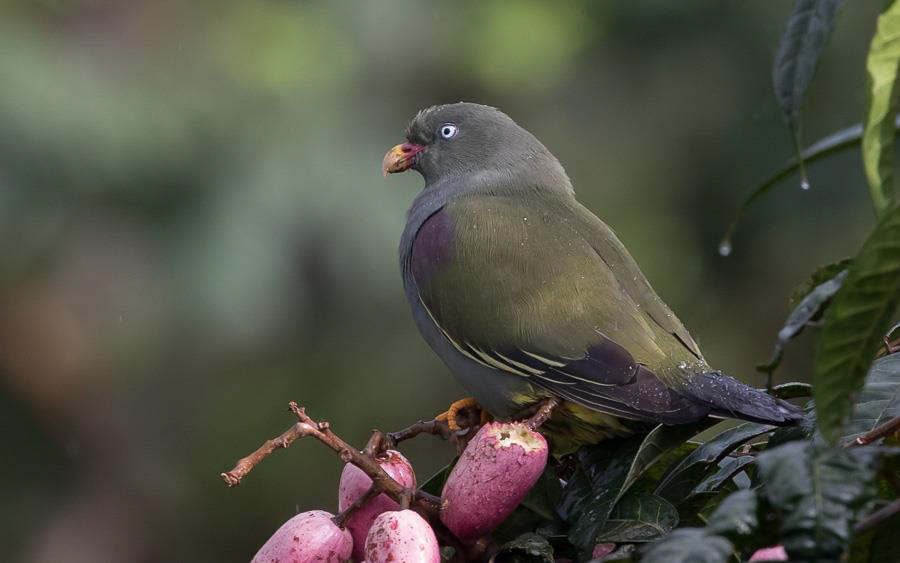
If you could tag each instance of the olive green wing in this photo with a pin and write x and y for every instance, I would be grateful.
(517, 285)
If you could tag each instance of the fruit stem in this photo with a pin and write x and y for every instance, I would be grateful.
(544, 411)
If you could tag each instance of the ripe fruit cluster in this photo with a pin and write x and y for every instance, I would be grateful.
(497, 469)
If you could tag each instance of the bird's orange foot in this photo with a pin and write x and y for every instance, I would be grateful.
(468, 407)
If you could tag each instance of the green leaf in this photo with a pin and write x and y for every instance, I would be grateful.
(792, 390)
(807, 33)
(435, 484)
(677, 485)
(806, 310)
(658, 442)
(639, 517)
(689, 545)
(879, 545)
(854, 323)
(590, 494)
(728, 468)
(735, 515)
(878, 136)
(821, 275)
(817, 490)
(879, 400)
(527, 548)
(523, 520)
(544, 496)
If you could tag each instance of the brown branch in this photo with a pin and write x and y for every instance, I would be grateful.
(878, 517)
(890, 427)
(246, 464)
(439, 428)
(341, 518)
(381, 481)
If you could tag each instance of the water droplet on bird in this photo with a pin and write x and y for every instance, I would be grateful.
(804, 183)
(725, 248)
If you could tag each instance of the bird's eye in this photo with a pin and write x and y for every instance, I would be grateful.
(448, 130)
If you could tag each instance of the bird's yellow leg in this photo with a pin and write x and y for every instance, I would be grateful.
(451, 415)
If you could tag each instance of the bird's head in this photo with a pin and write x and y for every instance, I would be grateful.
(473, 140)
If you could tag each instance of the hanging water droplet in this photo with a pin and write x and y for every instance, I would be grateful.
(725, 248)
(804, 183)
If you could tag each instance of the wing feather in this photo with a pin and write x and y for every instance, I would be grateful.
(524, 292)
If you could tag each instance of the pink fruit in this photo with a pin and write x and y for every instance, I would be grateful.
(602, 550)
(401, 536)
(774, 553)
(307, 537)
(500, 465)
(354, 484)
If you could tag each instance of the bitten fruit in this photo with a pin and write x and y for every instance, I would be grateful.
(354, 484)
(495, 472)
(306, 538)
(403, 536)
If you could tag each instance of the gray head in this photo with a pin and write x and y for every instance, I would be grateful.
(475, 144)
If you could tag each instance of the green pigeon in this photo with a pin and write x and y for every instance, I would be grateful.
(526, 295)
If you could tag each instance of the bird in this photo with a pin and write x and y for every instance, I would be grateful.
(526, 295)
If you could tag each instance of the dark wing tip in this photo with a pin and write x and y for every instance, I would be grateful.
(730, 398)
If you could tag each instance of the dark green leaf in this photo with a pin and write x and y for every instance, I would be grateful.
(681, 479)
(650, 478)
(544, 496)
(817, 490)
(689, 545)
(879, 400)
(878, 136)
(639, 517)
(742, 480)
(854, 323)
(808, 308)
(658, 442)
(807, 33)
(879, 545)
(728, 468)
(527, 548)
(590, 494)
(735, 515)
(821, 275)
(792, 390)
(435, 484)
(522, 520)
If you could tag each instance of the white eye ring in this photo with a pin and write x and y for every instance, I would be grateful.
(448, 130)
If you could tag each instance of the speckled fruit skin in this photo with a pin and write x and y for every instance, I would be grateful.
(306, 538)
(401, 536)
(495, 472)
(354, 483)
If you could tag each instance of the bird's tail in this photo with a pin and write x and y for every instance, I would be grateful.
(730, 398)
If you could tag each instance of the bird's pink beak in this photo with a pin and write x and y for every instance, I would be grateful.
(400, 158)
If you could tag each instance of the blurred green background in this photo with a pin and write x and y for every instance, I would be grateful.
(194, 229)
